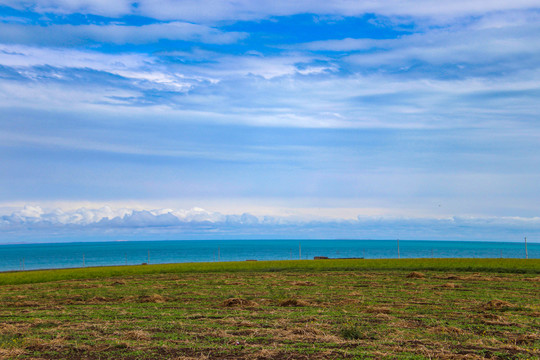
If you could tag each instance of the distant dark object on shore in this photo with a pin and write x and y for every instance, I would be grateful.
(251, 260)
(327, 258)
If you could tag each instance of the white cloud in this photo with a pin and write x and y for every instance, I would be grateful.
(230, 95)
(69, 66)
(36, 215)
(28, 56)
(453, 47)
(98, 7)
(33, 221)
(107, 217)
(424, 80)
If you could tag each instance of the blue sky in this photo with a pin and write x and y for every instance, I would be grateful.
(254, 119)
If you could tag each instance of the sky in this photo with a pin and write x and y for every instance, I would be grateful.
(216, 119)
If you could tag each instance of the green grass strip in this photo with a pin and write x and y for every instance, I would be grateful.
(530, 266)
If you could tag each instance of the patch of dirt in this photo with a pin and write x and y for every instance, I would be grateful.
(303, 283)
(416, 275)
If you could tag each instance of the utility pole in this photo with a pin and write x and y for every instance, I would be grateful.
(526, 253)
(398, 256)
(300, 251)
(83, 262)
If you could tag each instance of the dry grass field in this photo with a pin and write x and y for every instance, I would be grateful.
(269, 314)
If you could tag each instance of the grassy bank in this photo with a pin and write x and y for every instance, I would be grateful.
(531, 266)
(383, 309)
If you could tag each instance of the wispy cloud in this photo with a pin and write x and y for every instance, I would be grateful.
(72, 35)
(216, 10)
(412, 81)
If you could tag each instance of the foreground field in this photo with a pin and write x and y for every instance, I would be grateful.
(266, 311)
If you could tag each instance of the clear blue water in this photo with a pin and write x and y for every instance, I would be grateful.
(67, 255)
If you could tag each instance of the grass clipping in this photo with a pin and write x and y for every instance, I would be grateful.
(293, 303)
(497, 304)
(416, 275)
(239, 302)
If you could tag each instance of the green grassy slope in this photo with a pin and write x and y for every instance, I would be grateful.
(530, 266)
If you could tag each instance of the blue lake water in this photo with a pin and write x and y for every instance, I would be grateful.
(67, 255)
